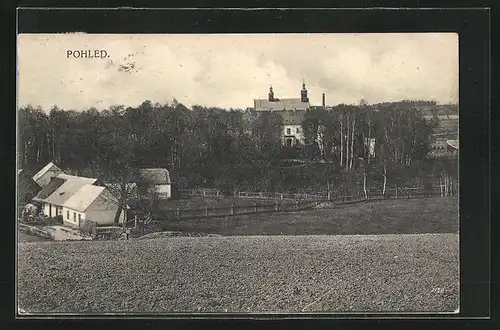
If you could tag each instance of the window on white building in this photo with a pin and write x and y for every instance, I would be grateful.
(79, 217)
(67, 215)
(74, 216)
(288, 131)
(298, 130)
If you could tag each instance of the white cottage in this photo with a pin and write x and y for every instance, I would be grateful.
(155, 181)
(58, 191)
(92, 203)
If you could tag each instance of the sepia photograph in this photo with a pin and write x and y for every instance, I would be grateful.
(237, 173)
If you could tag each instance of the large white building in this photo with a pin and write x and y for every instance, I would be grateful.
(291, 110)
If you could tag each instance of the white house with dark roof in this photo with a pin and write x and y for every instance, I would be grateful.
(155, 181)
(43, 177)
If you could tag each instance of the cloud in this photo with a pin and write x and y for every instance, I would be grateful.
(232, 70)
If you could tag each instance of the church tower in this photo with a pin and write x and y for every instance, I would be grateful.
(271, 94)
(303, 93)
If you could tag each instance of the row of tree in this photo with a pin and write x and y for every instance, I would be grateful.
(213, 147)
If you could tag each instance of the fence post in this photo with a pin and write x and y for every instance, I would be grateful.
(281, 195)
(276, 208)
(135, 221)
(296, 204)
(206, 210)
(178, 214)
(255, 207)
(232, 208)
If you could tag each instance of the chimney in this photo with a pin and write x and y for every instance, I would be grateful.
(324, 101)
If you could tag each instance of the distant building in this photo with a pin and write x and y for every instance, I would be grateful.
(453, 145)
(155, 181)
(291, 110)
(26, 187)
(442, 149)
(43, 177)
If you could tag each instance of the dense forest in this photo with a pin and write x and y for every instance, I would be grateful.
(229, 149)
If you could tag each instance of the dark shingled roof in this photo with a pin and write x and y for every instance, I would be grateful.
(282, 104)
(49, 189)
(153, 176)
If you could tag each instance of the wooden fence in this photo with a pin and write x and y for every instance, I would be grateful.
(276, 202)
(203, 192)
(443, 190)
(226, 211)
(283, 196)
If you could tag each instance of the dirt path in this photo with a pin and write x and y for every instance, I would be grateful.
(60, 233)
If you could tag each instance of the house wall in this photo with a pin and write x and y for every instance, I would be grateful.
(103, 209)
(52, 210)
(163, 191)
(45, 209)
(104, 217)
(296, 132)
(70, 217)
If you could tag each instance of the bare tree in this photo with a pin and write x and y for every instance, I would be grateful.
(352, 140)
(341, 140)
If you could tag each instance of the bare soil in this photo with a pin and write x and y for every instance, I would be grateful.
(403, 273)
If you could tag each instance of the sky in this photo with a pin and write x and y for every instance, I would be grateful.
(232, 70)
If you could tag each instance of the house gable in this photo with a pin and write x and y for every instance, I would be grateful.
(43, 177)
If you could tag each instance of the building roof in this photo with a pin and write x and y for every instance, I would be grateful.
(442, 149)
(44, 170)
(83, 198)
(452, 143)
(282, 104)
(153, 176)
(67, 189)
(68, 176)
(49, 189)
